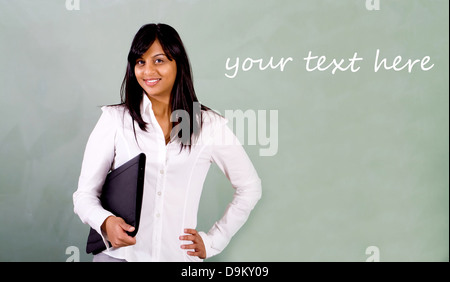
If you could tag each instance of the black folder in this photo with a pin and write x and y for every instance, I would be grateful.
(122, 195)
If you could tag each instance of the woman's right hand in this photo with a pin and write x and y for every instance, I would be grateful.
(115, 229)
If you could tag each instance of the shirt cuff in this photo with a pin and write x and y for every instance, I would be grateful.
(207, 241)
(98, 226)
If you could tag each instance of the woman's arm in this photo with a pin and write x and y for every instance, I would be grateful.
(97, 160)
(231, 158)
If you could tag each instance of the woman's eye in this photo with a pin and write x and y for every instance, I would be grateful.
(159, 61)
(140, 62)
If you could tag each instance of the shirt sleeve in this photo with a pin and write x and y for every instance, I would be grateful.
(231, 158)
(97, 160)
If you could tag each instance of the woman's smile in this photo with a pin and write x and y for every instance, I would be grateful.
(152, 81)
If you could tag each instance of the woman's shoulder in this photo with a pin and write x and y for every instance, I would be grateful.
(212, 118)
(114, 111)
(213, 124)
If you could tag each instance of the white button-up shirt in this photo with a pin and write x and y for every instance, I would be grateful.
(172, 186)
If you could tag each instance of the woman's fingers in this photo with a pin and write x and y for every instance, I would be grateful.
(115, 228)
(190, 231)
(197, 243)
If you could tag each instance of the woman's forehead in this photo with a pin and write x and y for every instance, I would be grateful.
(155, 50)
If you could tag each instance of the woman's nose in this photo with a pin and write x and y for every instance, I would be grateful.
(149, 69)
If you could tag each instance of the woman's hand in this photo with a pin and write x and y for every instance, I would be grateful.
(197, 243)
(115, 228)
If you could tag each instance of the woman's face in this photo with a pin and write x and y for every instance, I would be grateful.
(155, 73)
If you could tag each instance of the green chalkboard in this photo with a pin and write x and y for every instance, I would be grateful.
(345, 111)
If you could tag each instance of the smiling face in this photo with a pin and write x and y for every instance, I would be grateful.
(155, 73)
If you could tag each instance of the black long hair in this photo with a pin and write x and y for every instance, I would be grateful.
(183, 95)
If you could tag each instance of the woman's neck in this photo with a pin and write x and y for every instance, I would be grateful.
(160, 106)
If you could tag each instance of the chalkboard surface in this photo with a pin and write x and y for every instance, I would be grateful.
(342, 106)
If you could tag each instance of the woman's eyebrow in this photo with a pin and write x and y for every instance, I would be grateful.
(161, 54)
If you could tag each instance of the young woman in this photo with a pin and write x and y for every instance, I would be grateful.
(161, 117)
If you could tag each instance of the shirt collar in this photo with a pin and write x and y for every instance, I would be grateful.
(146, 108)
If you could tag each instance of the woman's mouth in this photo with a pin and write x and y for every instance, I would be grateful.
(152, 81)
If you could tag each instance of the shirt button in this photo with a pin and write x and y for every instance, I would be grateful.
(159, 193)
(161, 171)
(157, 215)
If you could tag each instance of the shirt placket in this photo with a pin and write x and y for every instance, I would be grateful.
(159, 202)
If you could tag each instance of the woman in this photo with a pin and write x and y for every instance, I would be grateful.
(161, 117)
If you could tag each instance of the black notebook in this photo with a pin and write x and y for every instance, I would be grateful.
(121, 195)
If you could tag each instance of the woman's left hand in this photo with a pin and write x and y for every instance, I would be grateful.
(197, 243)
